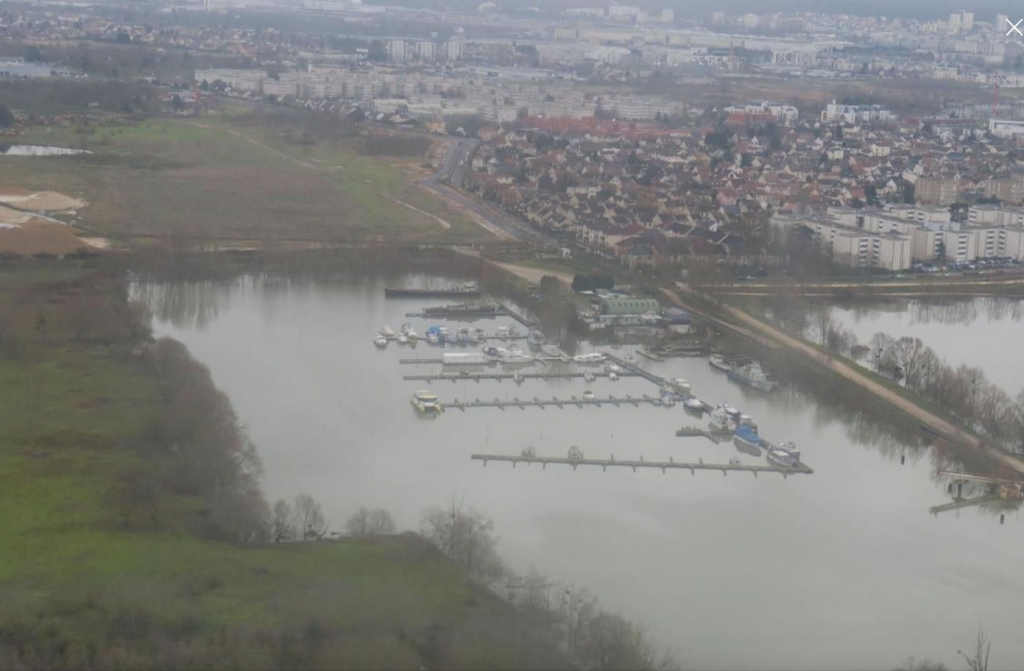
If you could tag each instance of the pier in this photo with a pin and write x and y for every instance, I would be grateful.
(559, 403)
(798, 469)
(428, 377)
(696, 432)
(633, 368)
(457, 313)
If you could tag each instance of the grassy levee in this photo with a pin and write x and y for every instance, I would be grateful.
(241, 177)
(88, 581)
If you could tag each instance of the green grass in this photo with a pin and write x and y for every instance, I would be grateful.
(74, 582)
(225, 178)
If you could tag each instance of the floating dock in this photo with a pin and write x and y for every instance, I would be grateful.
(696, 432)
(459, 312)
(798, 469)
(508, 376)
(633, 368)
(559, 403)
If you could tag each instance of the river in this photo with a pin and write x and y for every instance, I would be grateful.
(845, 568)
(981, 332)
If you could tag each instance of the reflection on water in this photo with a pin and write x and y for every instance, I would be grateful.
(981, 332)
(847, 566)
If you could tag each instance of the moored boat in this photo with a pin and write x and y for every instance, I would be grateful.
(783, 454)
(380, 341)
(694, 403)
(747, 440)
(592, 358)
(426, 401)
(752, 376)
(466, 291)
(388, 332)
(721, 421)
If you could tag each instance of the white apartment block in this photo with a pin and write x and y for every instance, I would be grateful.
(836, 113)
(995, 215)
(863, 249)
(425, 51)
(240, 80)
(783, 113)
(453, 51)
(799, 58)
(396, 51)
(1005, 128)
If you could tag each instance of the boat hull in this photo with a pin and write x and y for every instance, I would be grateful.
(394, 292)
(761, 385)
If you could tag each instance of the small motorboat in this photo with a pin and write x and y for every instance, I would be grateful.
(694, 403)
(588, 395)
(588, 377)
(426, 402)
(406, 329)
(513, 331)
(380, 341)
(403, 339)
(388, 333)
(613, 376)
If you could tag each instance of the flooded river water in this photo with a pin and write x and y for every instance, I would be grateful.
(845, 568)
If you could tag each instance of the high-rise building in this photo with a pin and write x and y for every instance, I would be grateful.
(425, 51)
(668, 16)
(967, 21)
(396, 51)
(453, 51)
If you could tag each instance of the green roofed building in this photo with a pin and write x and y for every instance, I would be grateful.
(626, 305)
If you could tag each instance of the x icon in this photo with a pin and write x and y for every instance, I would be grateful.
(1014, 27)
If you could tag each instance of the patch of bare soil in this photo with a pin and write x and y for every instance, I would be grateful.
(40, 237)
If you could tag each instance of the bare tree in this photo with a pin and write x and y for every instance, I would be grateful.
(366, 522)
(282, 522)
(909, 354)
(824, 324)
(467, 537)
(310, 516)
(577, 607)
(979, 660)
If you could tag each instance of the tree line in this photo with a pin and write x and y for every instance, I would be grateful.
(964, 392)
(569, 616)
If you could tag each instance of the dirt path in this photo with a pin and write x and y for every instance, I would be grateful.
(533, 275)
(859, 378)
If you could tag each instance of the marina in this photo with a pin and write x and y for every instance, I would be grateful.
(664, 466)
(515, 377)
(588, 399)
(859, 496)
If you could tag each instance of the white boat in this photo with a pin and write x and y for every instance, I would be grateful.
(613, 376)
(721, 421)
(513, 331)
(694, 403)
(730, 410)
(679, 386)
(502, 333)
(426, 401)
(589, 359)
(783, 454)
(411, 336)
(406, 329)
(403, 339)
(588, 377)
(463, 359)
(380, 341)
(388, 333)
(719, 362)
(588, 395)
(432, 337)
(613, 368)
(514, 356)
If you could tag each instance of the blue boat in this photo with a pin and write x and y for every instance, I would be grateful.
(747, 441)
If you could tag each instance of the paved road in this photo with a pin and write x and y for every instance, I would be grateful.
(448, 179)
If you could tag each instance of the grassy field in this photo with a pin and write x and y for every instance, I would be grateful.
(79, 591)
(238, 177)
